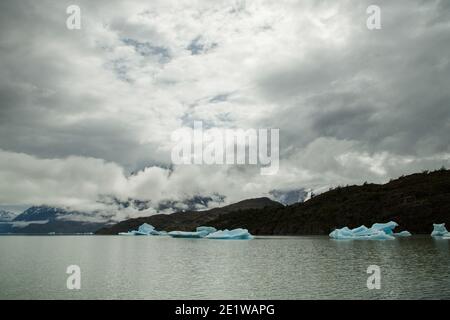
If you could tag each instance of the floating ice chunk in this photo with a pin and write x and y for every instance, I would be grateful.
(343, 234)
(439, 230)
(146, 230)
(388, 227)
(129, 233)
(235, 234)
(207, 229)
(378, 231)
(378, 235)
(362, 229)
(200, 232)
(403, 234)
(187, 234)
(143, 230)
(362, 234)
(334, 234)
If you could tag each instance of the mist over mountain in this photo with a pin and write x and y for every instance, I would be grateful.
(5, 220)
(48, 219)
(40, 213)
(189, 220)
(288, 197)
(7, 216)
(415, 202)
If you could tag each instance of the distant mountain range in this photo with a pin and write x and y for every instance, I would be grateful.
(46, 219)
(415, 202)
(5, 221)
(41, 213)
(189, 220)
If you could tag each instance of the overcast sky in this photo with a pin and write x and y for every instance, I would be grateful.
(82, 109)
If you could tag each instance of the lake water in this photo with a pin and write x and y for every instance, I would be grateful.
(113, 267)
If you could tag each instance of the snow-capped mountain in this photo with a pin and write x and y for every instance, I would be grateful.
(7, 216)
(288, 197)
(44, 219)
(40, 213)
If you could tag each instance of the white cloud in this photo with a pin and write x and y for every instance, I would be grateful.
(80, 110)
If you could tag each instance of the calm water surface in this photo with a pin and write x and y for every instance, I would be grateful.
(34, 267)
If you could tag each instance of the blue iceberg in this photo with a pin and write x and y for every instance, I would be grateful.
(388, 227)
(143, 230)
(347, 234)
(439, 230)
(146, 230)
(213, 233)
(360, 231)
(235, 234)
(207, 229)
(344, 233)
(200, 232)
(378, 231)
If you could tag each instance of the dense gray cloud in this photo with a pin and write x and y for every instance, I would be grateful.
(80, 110)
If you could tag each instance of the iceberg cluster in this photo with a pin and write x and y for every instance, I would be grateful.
(144, 230)
(403, 234)
(213, 233)
(200, 232)
(236, 234)
(378, 231)
(439, 230)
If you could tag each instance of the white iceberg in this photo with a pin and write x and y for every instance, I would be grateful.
(129, 233)
(143, 230)
(235, 234)
(378, 231)
(439, 230)
(403, 234)
(200, 232)
(188, 234)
